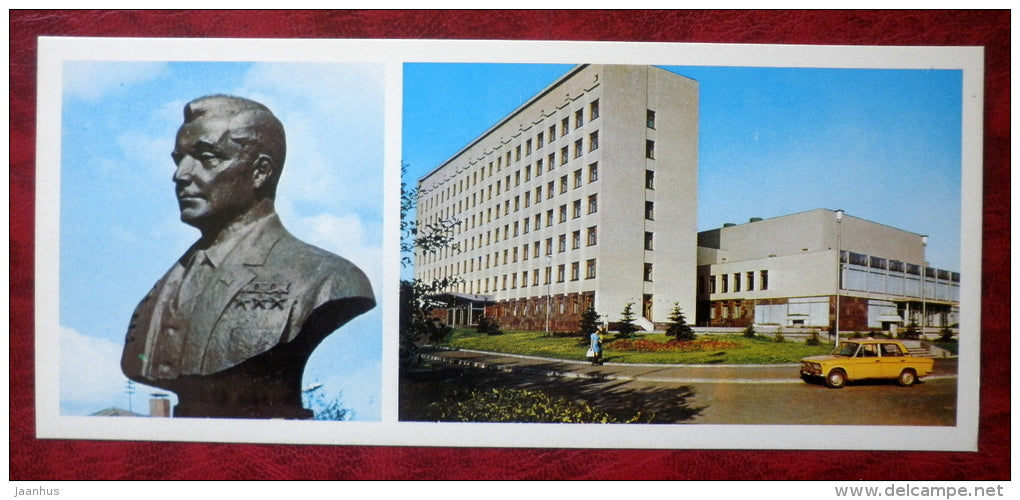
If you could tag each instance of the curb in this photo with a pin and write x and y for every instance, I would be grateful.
(635, 378)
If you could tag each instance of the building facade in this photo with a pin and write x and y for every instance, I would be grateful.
(817, 268)
(584, 195)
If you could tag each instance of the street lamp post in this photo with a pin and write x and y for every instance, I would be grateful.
(924, 282)
(839, 267)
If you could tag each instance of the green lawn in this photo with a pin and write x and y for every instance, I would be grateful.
(710, 349)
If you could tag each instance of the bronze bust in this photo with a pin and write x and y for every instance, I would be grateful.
(229, 328)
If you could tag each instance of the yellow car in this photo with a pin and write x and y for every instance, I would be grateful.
(860, 359)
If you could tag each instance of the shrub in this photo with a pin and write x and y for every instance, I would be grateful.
(627, 327)
(946, 334)
(515, 405)
(678, 328)
(912, 332)
(749, 332)
(489, 326)
(813, 338)
(779, 335)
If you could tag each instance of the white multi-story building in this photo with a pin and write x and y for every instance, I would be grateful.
(584, 195)
(784, 271)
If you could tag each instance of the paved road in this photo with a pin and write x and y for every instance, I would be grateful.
(730, 394)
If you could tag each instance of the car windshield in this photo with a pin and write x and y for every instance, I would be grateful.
(846, 349)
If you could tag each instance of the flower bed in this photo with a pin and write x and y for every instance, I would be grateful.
(644, 345)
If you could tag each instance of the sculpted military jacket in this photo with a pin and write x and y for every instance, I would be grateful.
(260, 296)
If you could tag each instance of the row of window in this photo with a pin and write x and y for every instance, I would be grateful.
(896, 266)
(523, 226)
(515, 204)
(528, 278)
(734, 282)
(524, 150)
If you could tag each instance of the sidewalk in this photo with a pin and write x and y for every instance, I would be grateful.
(656, 373)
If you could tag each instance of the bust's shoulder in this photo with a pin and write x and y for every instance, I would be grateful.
(315, 265)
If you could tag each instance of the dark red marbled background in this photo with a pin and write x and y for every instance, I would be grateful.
(33, 459)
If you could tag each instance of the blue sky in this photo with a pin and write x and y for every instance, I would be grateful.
(881, 144)
(120, 230)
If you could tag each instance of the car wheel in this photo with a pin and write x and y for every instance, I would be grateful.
(836, 379)
(907, 378)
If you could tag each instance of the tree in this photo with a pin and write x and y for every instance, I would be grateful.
(589, 322)
(627, 327)
(418, 323)
(678, 327)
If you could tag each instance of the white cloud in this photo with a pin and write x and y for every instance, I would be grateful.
(91, 80)
(90, 377)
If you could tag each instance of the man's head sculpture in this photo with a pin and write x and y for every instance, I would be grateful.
(231, 326)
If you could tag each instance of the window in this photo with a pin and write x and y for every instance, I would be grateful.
(564, 151)
(513, 280)
(649, 240)
(552, 133)
(650, 119)
(527, 173)
(764, 280)
(534, 278)
(563, 184)
(593, 203)
(593, 172)
(515, 254)
(550, 188)
(563, 213)
(516, 228)
(650, 149)
(577, 178)
(577, 148)
(711, 281)
(517, 203)
(540, 139)
(548, 217)
(649, 179)
(563, 243)
(548, 246)
(750, 281)
(577, 208)
(538, 194)
(564, 126)
(650, 210)
(517, 178)
(575, 271)
(578, 118)
(524, 278)
(527, 200)
(593, 141)
(592, 236)
(538, 221)
(538, 167)
(593, 110)
(648, 271)
(575, 240)
(736, 282)
(517, 153)
(527, 147)
(560, 272)
(548, 276)
(589, 269)
(725, 283)
(527, 225)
